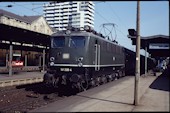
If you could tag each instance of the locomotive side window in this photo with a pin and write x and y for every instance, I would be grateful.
(77, 41)
(58, 42)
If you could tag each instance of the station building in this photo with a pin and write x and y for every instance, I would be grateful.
(23, 36)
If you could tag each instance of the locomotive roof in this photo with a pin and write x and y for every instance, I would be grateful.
(82, 33)
(85, 33)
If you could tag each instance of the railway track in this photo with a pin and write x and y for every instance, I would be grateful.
(30, 104)
(26, 97)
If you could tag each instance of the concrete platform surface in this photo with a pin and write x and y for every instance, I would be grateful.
(116, 96)
(20, 78)
(21, 75)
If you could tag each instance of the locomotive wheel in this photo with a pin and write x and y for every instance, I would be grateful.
(123, 73)
(79, 87)
(109, 78)
(75, 88)
(84, 85)
(120, 74)
(114, 76)
(93, 83)
(55, 83)
(103, 79)
(97, 81)
(117, 76)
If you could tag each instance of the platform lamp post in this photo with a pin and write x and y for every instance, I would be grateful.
(137, 70)
(7, 59)
(44, 60)
(146, 49)
(10, 58)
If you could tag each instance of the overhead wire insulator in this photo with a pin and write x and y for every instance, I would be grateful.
(9, 6)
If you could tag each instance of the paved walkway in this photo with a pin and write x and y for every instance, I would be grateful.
(156, 97)
(20, 78)
(21, 75)
(117, 96)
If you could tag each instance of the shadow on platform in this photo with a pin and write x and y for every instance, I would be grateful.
(104, 100)
(162, 82)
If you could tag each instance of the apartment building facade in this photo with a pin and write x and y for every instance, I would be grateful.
(75, 13)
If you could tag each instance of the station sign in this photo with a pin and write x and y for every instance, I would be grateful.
(17, 63)
(158, 46)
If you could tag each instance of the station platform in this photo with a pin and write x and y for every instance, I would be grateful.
(20, 78)
(20, 69)
(117, 96)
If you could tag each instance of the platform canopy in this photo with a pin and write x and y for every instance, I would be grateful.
(23, 36)
(156, 45)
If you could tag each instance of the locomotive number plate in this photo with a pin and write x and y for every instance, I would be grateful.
(66, 55)
(66, 69)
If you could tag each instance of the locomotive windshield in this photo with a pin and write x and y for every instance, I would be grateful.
(58, 42)
(77, 41)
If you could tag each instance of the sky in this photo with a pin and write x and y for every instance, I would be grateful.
(154, 17)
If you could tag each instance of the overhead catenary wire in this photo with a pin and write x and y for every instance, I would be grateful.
(110, 5)
(27, 8)
(42, 6)
(109, 22)
(116, 28)
(105, 27)
(119, 20)
(105, 19)
(101, 16)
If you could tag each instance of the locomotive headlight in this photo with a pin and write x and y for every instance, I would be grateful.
(80, 64)
(51, 63)
(52, 58)
(80, 59)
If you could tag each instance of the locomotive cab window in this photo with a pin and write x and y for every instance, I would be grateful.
(77, 41)
(57, 42)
